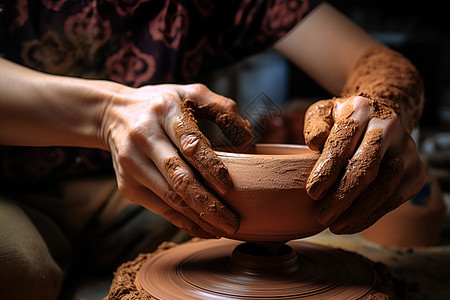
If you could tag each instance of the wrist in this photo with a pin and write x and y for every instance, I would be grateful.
(388, 77)
(89, 103)
(38, 109)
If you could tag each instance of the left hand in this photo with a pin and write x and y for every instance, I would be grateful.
(369, 163)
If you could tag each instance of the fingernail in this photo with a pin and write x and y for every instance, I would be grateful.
(325, 215)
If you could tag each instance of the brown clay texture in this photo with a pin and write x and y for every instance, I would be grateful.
(197, 149)
(390, 80)
(268, 193)
(204, 270)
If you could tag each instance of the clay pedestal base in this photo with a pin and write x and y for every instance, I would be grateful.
(228, 269)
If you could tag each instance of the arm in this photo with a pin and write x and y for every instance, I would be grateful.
(369, 163)
(147, 130)
(38, 109)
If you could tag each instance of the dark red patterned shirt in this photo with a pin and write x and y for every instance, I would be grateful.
(134, 42)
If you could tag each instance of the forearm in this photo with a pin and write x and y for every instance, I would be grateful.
(386, 76)
(38, 109)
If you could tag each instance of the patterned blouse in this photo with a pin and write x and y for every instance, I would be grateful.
(134, 42)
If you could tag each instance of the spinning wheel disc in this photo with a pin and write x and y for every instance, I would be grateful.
(206, 270)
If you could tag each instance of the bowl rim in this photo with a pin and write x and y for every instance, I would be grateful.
(220, 151)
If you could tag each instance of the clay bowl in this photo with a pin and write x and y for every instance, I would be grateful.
(269, 193)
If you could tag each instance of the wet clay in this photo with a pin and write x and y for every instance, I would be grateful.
(270, 199)
(380, 109)
(318, 123)
(392, 86)
(237, 130)
(334, 157)
(194, 194)
(269, 192)
(223, 269)
(361, 169)
(368, 208)
(197, 150)
(387, 77)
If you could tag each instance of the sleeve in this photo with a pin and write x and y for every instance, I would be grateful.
(238, 29)
(258, 24)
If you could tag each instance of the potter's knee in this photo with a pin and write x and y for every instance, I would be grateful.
(27, 269)
(24, 277)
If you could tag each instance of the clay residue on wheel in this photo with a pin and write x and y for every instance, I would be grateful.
(132, 278)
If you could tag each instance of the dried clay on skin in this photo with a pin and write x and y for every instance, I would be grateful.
(331, 162)
(236, 129)
(196, 195)
(388, 77)
(199, 153)
(360, 171)
(316, 131)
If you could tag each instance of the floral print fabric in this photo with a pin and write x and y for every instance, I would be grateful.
(134, 42)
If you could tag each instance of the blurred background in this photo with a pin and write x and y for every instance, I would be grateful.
(274, 94)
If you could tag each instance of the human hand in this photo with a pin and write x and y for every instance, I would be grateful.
(369, 163)
(153, 135)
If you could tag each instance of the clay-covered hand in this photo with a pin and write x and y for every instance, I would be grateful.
(369, 163)
(157, 149)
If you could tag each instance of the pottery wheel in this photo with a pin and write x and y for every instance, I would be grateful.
(218, 269)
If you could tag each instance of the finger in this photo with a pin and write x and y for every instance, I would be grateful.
(318, 124)
(177, 122)
(147, 174)
(352, 117)
(139, 194)
(393, 189)
(213, 211)
(183, 181)
(221, 110)
(359, 173)
(153, 203)
(196, 149)
(381, 189)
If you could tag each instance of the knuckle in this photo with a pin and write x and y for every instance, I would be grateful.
(198, 88)
(189, 144)
(174, 200)
(137, 131)
(164, 103)
(361, 103)
(180, 181)
(231, 105)
(158, 104)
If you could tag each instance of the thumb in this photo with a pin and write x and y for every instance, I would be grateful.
(318, 123)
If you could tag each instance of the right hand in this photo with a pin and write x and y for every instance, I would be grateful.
(154, 140)
(369, 163)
